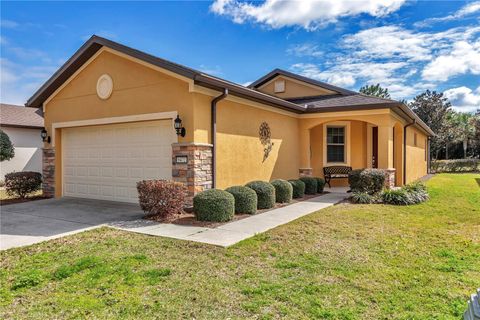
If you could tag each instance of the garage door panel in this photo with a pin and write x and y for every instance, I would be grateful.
(106, 162)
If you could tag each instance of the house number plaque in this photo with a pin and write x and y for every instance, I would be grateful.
(181, 159)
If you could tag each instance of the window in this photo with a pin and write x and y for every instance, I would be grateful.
(336, 144)
(279, 86)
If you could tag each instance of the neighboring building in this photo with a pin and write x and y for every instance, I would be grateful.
(110, 112)
(23, 126)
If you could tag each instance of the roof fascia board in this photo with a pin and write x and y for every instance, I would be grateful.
(72, 77)
(384, 110)
(260, 105)
(19, 126)
(88, 47)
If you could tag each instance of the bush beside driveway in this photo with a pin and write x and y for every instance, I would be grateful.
(344, 262)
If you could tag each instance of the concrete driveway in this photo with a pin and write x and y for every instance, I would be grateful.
(31, 222)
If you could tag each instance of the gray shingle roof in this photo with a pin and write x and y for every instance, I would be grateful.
(19, 116)
(339, 101)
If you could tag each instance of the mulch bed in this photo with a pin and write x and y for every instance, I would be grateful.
(5, 202)
(188, 219)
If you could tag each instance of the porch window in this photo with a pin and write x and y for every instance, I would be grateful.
(336, 144)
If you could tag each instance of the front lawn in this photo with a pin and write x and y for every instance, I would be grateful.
(344, 262)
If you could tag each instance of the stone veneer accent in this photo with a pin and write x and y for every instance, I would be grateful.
(389, 178)
(48, 168)
(197, 172)
(305, 172)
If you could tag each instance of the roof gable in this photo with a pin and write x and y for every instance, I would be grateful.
(279, 72)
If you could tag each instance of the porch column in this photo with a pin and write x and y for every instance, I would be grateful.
(385, 147)
(305, 153)
(385, 154)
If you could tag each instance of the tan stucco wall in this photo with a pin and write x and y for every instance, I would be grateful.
(240, 152)
(416, 161)
(293, 89)
(137, 90)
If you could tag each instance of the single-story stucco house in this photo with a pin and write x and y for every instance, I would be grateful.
(111, 112)
(23, 126)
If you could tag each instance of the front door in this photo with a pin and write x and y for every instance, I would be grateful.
(375, 147)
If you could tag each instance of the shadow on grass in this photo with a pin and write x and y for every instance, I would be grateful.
(478, 181)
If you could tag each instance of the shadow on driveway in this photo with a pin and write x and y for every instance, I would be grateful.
(32, 222)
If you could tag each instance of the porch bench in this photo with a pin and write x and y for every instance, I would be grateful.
(335, 172)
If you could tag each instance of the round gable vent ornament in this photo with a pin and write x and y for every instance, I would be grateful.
(104, 86)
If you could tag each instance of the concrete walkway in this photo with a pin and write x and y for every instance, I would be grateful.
(36, 221)
(234, 232)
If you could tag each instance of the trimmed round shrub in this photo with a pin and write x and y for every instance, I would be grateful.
(320, 184)
(214, 205)
(370, 181)
(362, 197)
(310, 184)
(21, 184)
(161, 199)
(283, 191)
(265, 193)
(245, 199)
(298, 188)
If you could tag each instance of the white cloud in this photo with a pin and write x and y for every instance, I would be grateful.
(309, 14)
(305, 49)
(389, 42)
(9, 24)
(396, 57)
(346, 74)
(467, 10)
(463, 58)
(18, 82)
(464, 99)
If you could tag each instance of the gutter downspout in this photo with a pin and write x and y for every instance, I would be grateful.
(405, 150)
(213, 132)
(429, 160)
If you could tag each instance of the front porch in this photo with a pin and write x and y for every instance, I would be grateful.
(373, 139)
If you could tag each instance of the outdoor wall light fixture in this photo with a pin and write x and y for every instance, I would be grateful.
(178, 127)
(44, 135)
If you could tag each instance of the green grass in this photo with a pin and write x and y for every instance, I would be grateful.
(345, 262)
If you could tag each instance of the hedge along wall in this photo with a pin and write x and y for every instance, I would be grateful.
(458, 165)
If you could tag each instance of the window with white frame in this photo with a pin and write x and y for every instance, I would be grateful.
(336, 144)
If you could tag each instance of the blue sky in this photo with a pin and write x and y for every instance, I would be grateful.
(406, 46)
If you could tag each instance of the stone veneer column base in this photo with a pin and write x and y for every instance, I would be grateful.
(48, 172)
(389, 178)
(196, 174)
(305, 172)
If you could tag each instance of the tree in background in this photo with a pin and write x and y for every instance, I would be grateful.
(476, 136)
(463, 128)
(434, 109)
(7, 151)
(375, 91)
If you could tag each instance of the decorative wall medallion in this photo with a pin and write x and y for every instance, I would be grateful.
(104, 86)
(265, 138)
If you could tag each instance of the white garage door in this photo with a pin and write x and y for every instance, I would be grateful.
(105, 162)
